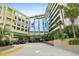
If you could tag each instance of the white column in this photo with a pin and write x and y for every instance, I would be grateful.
(43, 24)
(34, 26)
(5, 17)
(39, 25)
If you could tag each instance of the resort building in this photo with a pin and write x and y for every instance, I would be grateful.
(54, 15)
(13, 20)
(38, 25)
(19, 24)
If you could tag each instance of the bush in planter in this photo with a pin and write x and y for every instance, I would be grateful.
(74, 42)
(1, 43)
(47, 37)
(67, 30)
(7, 42)
(58, 34)
(22, 37)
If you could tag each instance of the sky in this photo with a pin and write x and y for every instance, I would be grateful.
(29, 9)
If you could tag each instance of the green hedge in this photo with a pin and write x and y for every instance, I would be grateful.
(74, 42)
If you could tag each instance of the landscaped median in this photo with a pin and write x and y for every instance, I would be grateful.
(12, 50)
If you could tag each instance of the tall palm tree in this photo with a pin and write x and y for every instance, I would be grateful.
(71, 11)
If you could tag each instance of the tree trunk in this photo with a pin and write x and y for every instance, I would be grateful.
(61, 32)
(73, 29)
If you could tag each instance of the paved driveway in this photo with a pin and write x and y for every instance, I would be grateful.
(41, 49)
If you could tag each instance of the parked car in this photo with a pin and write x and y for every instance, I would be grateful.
(19, 42)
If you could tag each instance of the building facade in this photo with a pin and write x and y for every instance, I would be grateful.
(53, 16)
(21, 23)
(38, 25)
(13, 20)
(18, 23)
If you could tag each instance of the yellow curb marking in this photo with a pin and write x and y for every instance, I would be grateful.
(11, 52)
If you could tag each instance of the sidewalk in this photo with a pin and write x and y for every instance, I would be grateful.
(3, 48)
(14, 49)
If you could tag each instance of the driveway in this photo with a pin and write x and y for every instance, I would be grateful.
(42, 49)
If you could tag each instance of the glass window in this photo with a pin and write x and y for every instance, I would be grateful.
(25, 26)
(41, 24)
(26, 30)
(18, 24)
(22, 20)
(45, 25)
(32, 24)
(19, 19)
(9, 19)
(18, 28)
(22, 29)
(15, 17)
(36, 25)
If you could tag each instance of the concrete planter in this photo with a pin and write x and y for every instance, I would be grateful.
(65, 45)
(49, 42)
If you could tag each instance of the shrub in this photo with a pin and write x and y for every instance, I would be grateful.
(74, 42)
(1, 43)
(22, 36)
(67, 30)
(7, 42)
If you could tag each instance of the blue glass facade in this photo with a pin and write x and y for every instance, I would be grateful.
(45, 25)
(39, 25)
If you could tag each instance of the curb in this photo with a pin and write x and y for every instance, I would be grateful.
(11, 52)
(48, 43)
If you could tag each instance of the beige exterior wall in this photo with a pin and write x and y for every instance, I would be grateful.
(14, 20)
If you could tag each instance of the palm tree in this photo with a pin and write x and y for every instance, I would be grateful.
(71, 11)
(4, 33)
